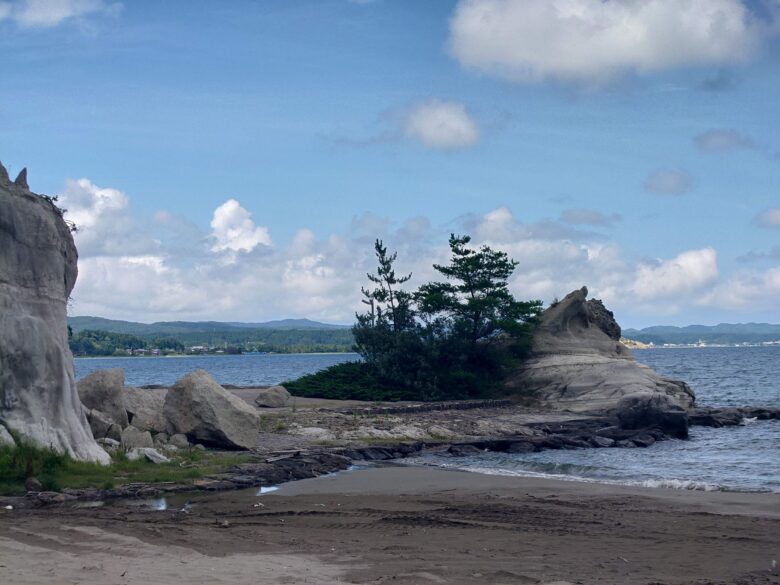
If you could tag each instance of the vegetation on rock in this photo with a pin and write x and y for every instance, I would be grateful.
(446, 340)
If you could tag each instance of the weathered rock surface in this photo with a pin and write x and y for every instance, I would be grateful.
(6, 440)
(145, 408)
(102, 390)
(133, 438)
(198, 407)
(578, 363)
(661, 411)
(273, 397)
(38, 396)
(100, 423)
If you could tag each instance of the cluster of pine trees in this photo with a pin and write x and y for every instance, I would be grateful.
(446, 340)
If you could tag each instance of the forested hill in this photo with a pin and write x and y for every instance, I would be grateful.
(173, 327)
(98, 336)
(725, 333)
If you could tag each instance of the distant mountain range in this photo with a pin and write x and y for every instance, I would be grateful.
(724, 333)
(178, 327)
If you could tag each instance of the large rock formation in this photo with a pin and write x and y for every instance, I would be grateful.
(198, 407)
(578, 363)
(38, 397)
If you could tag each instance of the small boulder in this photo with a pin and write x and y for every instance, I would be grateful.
(133, 438)
(198, 407)
(179, 441)
(602, 442)
(145, 408)
(102, 390)
(151, 455)
(99, 422)
(644, 410)
(160, 440)
(273, 397)
(114, 432)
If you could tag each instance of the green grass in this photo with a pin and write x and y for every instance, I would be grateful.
(56, 471)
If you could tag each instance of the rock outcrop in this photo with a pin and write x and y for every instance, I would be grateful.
(198, 407)
(578, 363)
(38, 397)
(145, 408)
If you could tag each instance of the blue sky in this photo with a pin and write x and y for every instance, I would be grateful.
(235, 160)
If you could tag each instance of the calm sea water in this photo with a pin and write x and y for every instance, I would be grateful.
(744, 458)
(241, 370)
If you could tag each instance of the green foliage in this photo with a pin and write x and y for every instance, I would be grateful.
(447, 340)
(56, 471)
(347, 381)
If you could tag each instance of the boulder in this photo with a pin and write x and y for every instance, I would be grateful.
(179, 441)
(133, 438)
(38, 396)
(145, 408)
(114, 432)
(198, 407)
(578, 364)
(31, 484)
(100, 423)
(661, 411)
(273, 397)
(102, 390)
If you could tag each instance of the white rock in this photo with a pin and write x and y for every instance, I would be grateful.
(151, 455)
(203, 410)
(38, 396)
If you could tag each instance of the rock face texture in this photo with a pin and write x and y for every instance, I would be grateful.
(578, 363)
(145, 408)
(38, 397)
(198, 407)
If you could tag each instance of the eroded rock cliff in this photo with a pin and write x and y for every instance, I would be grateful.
(579, 364)
(38, 397)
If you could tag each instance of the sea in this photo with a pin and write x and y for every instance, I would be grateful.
(741, 458)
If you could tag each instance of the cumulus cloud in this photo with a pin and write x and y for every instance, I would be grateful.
(595, 40)
(233, 229)
(106, 226)
(722, 140)
(668, 182)
(441, 125)
(769, 218)
(688, 272)
(51, 13)
(319, 276)
(580, 216)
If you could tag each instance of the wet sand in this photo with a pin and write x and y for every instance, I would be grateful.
(406, 525)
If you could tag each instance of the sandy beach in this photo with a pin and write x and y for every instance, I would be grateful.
(411, 525)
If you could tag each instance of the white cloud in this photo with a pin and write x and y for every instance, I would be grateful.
(668, 182)
(233, 229)
(320, 277)
(51, 13)
(441, 125)
(595, 40)
(722, 140)
(688, 272)
(769, 218)
(102, 216)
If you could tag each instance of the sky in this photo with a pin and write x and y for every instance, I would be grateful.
(236, 160)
